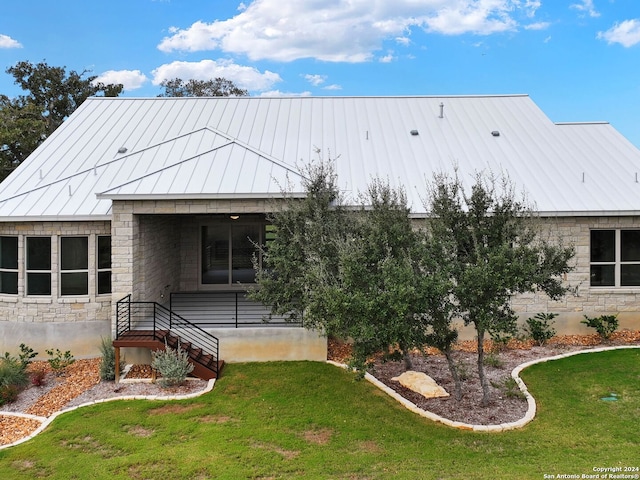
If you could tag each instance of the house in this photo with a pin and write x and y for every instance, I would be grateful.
(148, 203)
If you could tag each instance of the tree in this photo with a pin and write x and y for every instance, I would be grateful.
(496, 252)
(52, 95)
(218, 87)
(362, 274)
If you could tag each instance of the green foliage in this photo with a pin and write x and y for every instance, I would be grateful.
(605, 325)
(26, 355)
(495, 251)
(539, 327)
(173, 365)
(218, 87)
(509, 388)
(493, 360)
(108, 361)
(59, 361)
(13, 377)
(52, 94)
(462, 370)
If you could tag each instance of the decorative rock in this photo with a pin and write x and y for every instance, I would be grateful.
(421, 383)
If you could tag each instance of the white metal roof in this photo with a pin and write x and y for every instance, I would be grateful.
(251, 147)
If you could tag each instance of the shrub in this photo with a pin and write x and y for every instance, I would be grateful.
(173, 365)
(462, 369)
(493, 360)
(9, 394)
(539, 327)
(37, 377)
(605, 325)
(59, 361)
(108, 363)
(13, 377)
(509, 388)
(26, 355)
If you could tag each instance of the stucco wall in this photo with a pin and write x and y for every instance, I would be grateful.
(73, 323)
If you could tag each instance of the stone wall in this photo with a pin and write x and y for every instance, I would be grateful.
(69, 323)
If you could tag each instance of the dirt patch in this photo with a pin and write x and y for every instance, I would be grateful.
(217, 419)
(172, 408)
(139, 431)
(318, 437)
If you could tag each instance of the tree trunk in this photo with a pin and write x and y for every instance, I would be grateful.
(454, 374)
(483, 378)
(408, 363)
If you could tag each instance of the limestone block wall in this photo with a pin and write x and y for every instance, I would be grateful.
(53, 321)
(584, 299)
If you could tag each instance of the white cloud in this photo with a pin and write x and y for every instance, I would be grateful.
(278, 93)
(315, 80)
(341, 30)
(625, 33)
(333, 87)
(131, 79)
(586, 7)
(537, 26)
(387, 58)
(243, 76)
(8, 42)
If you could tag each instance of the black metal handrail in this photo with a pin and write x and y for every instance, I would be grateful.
(151, 316)
(224, 308)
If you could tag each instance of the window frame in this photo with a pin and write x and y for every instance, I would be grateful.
(617, 261)
(34, 271)
(99, 269)
(73, 271)
(10, 270)
(228, 224)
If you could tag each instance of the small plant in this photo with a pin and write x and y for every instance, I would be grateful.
(173, 365)
(9, 394)
(605, 325)
(539, 327)
(509, 388)
(462, 369)
(493, 360)
(59, 361)
(500, 341)
(26, 355)
(37, 378)
(13, 378)
(108, 363)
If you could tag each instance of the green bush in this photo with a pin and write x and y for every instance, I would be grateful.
(59, 361)
(605, 325)
(539, 327)
(493, 360)
(108, 363)
(13, 378)
(509, 388)
(173, 365)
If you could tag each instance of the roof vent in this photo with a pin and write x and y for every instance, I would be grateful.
(495, 133)
(441, 110)
(414, 132)
(122, 150)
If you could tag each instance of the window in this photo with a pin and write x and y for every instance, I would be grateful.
(615, 258)
(9, 265)
(103, 259)
(228, 249)
(38, 265)
(74, 265)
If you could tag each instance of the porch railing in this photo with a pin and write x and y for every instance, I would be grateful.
(224, 309)
(153, 317)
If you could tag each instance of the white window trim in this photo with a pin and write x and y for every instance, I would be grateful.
(617, 263)
(62, 272)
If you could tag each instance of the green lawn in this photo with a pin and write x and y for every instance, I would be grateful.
(312, 420)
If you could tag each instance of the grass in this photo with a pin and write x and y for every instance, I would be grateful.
(311, 420)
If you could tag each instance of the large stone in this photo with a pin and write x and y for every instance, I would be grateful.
(421, 383)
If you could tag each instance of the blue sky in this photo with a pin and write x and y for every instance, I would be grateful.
(578, 59)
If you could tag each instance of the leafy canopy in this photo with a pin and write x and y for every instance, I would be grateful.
(217, 87)
(52, 94)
